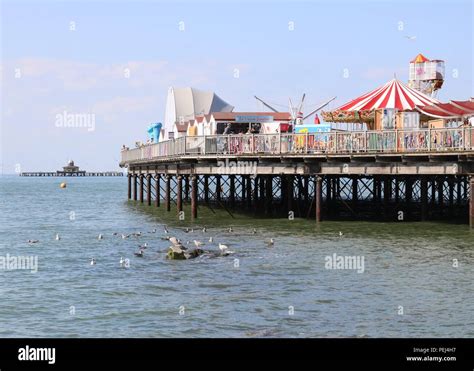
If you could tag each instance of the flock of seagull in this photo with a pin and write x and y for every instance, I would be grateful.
(176, 243)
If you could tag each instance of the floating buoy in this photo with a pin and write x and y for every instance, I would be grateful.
(62, 185)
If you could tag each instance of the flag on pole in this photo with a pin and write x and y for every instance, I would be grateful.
(316, 119)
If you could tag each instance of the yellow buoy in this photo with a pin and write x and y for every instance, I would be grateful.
(63, 185)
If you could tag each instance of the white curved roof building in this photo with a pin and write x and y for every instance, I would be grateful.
(183, 104)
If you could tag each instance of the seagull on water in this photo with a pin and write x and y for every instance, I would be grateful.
(175, 241)
(92, 261)
(166, 230)
(210, 239)
(254, 231)
(230, 230)
(57, 238)
(271, 243)
(139, 253)
(204, 230)
(100, 237)
(341, 234)
(122, 261)
(225, 249)
(32, 241)
(198, 243)
(144, 246)
(124, 236)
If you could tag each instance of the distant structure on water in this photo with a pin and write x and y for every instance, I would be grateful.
(71, 170)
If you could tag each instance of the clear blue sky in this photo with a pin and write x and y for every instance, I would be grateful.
(82, 71)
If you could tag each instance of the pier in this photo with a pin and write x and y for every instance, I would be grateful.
(72, 174)
(390, 175)
(72, 170)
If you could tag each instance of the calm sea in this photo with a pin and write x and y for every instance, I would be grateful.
(418, 278)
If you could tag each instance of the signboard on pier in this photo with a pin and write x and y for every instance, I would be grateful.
(253, 118)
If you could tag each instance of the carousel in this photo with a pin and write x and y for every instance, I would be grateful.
(378, 108)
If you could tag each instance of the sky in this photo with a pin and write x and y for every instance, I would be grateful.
(112, 63)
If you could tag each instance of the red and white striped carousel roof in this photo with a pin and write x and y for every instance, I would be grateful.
(394, 94)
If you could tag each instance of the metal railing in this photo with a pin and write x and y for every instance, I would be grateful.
(354, 142)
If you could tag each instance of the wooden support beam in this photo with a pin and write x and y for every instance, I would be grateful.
(440, 195)
(317, 197)
(148, 189)
(306, 190)
(471, 202)
(157, 190)
(289, 192)
(179, 194)
(328, 189)
(451, 196)
(397, 190)
(186, 187)
(129, 190)
(255, 193)
(424, 198)
(268, 194)
(387, 189)
(433, 192)
(142, 181)
(218, 188)
(232, 191)
(135, 180)
(355, 192)
(194, 193)
(408, 195)
(243, 189)
(249, 191)
(458, 190)
(262, 198)
(168, 193)
(283, 193)
(206, 189)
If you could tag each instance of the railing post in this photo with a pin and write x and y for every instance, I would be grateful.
(429, 139)
(306, 144)
(279, 142)
(367, 141)
(396, 140)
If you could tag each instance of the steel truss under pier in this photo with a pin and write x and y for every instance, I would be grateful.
(406, 190)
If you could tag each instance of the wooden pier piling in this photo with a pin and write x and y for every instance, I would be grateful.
(424, 198)
(179, 194)
(141, 187)
(157, 190)
(194, 196)
(317, 196)
(471, 202)
(148, 189)
(168, 193)
(135, 180)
